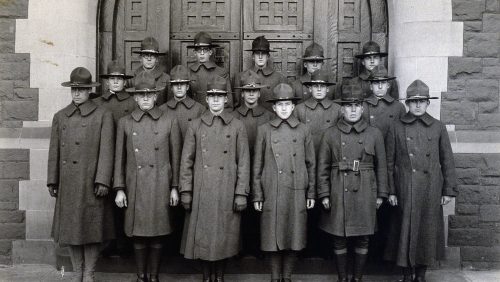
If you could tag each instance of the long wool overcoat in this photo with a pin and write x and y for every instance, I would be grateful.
(252, 119)
(215, 167)
(80, 156)
(120, 103)
(203, 73)
(284, 170)
(352, 194)
(185, 110)
(421, 169)
(148, 148)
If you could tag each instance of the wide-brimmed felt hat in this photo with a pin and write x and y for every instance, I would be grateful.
(202, 39)
(179, 74)
(319, 77)
(250, 80)
(283, 92)
(217, 86)
(80, 77)
(314, 52)
(369, 49)
(261, 44)
(150, 46)
(379, 73)
(144, 83)
(351, 93)
(115, 69)
(418, 90)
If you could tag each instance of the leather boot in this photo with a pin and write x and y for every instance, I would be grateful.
(91, 254)
(220, 267)
(140, 262)
(207, 273)
(359, 266)
(154, 263)
(289, 260)
(407, 275)
(420, 273)
(76, 253)
(276, 265)
(341, 265)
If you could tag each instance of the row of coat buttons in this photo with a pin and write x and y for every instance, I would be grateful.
(308, 120)
(140, 166)
(83, 125)
(281, 172)
(205, 150)
(74, 162)
(64, 144)
(206, 166)
(135, 133)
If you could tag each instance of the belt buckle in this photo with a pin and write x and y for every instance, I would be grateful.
(355, 165)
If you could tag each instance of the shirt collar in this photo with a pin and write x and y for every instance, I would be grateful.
(257, 111)
(265, 71)
(313, 103)
(410, 118)
(85, 109)
(208, 65)
(122, 95)
(346, 127)
(374, 100)
(208, 118)
(155, 113)
(292, 121)
(188, 102)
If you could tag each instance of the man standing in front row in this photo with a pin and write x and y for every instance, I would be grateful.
(214, 184)
(424, 181)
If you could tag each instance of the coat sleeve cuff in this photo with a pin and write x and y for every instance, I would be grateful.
(382, 195)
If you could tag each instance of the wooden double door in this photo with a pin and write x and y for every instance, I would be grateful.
(340, 26)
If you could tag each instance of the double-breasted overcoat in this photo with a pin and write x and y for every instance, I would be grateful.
(421, 170)
(352, 193)
(284, 170)
(186, 110)
(203, 73)
(120, 103)
(80, 156)
(215, 168)
(148, 148)
(252, 119)
(382, 113)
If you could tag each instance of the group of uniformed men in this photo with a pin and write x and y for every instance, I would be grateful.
(285, 148)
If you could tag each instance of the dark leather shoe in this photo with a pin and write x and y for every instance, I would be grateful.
(154, 278)
(419, 279)
(142, 278)
(356, 280)
(345, 279)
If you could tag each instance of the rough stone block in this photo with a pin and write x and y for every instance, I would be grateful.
(469, 161)
(492, 165)
(473, 26)
(7, 35)
(456, 84)
(471, 237)
(14, 8)
(463, 66)
(492, 5)
(38, 224)
(15, 67)
(26, 94)
(468, 9)
(38, 252)
(12, 216)
(464, 209)
(488, 107)
(5, 247)
(481, 45)
(33, 195)
(14, 155)
(459, 113)
(489, 213)
(491, 22)
(20, 110)
(9, 190)
(5, 260)
(490, 181)
(491, 72)
(12, 230)
(8, 206)
(482, 90)
(488, 254)
(489, 121)
(478, 195)
(6, 90)
(468, 176)
(14, 170)
(460, 221)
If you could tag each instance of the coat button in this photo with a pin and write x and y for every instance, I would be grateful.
(136, 150)
(408, 138)
(411, 154)
(428, 154)
(139, 167)
(64, 127)
(360, 141)
(293, 171)
(203, 135)
(151, 165)
(425, 171)
(156, 132)
(221, 168)
(277, 155)
(280, 172)
(327, 120)
(62, 144)
(345, 173)
(429, 138)
(75, 162)
(126, 110)
(343, 143)
(294, 140)
(294, 154)
(134, 133)
(189, 119)
(345, 190)
(344, 158)
(414, 170)
(84, 124)
(275, 140)
(77, 143)
(205, 166)
(228, 136)
(156, 148)
(64, 162)
(308, 120)
(225, 152)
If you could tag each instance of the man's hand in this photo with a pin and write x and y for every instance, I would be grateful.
(445, 200)
(100, 190)
(186, 200)
(174, 197)
(121, 199)
(393, 200)
(326, 203)
(53, 191)
(310, 203)
(379, 202)
(240, 203)
(257, 206)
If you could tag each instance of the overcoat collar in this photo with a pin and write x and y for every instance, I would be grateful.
(85, 109)
(265, 71)
(256, 112)
(346, 127)
(122, 95)
(155, 113)
(292, 121)
(156, 72)
(313, 103)
(305, 77)
(188, 102)
(374, 100)
(208, 118)
(365, 74)
(208, 65)
(410, 118)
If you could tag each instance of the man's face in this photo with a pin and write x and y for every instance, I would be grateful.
(319, 91)
(251, 96)
(352, 112)
(216, 102)
(203, 54)
(146, 101)
(260, 58)
(418, 107)
(370, 62)
(180, 89)
(284, 109)
(116, 83)
(80, 95)
(312, 66)
(149, 60)
(379, 88)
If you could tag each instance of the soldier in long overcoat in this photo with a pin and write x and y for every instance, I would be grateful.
(204, 70)
(263, 68)
(252, 114)
(422, 179)
(283, 186)
(146, 175)
(352, 181)
(313, 60)
(150, 64)
(79, 175)
(214, 184)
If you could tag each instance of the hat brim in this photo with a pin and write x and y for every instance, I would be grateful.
(80, 85)
(314, 59)
(260, 50)
(307, 83)
(133, 90)
(250, 87)
(272, 100)
(340, 101)
(178, 81)
(381, 78)
(150, 52)
(418, 98)
(381, 54)
(94, 95)
(209, 46)
(124, 76)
